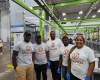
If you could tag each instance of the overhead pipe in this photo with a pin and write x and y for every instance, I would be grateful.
(55, 7)
(48, 7)
(88, 12)
(49, 13)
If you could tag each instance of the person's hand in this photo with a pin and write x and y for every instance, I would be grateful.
(86, 78)
(48, 63)
(68, 76)
(58, 70)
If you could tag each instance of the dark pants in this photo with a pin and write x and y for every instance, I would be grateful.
(54, 67)
(64, 71)
(72, 77)
(0, 49)
(41, 68)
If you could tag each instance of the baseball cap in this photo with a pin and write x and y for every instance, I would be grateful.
(27, 33)
(38, 36)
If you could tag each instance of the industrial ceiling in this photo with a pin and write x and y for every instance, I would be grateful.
(72, 12)
(67, 11)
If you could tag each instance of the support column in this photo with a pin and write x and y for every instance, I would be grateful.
(41, 27)
(5, 25)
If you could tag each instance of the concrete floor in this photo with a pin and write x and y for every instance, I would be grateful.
(9, 73)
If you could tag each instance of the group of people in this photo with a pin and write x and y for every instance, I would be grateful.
(75, 61)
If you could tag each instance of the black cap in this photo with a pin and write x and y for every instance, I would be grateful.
(27, 33)
(38, 36)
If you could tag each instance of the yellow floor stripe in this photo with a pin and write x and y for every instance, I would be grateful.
(10, 66)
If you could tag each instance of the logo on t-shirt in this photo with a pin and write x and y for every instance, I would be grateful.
(75, 56)
(75, 59)
(53, 47)
(65, 53)
(28, 51)
(40, 51)
(28, 48)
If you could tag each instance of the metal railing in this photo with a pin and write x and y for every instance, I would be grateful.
(93, 45)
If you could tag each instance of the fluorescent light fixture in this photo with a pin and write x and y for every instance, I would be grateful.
(81, 12)
(30, 7)
(65, 18)
(43, 16)
(93, 16)
(63, 14)
(78, 17)
(98, 10)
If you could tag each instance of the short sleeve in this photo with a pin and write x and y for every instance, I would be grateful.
(33, 47)
(16, 47)
(91, 56)
(46, 47)
(61, 50)
(60, 43)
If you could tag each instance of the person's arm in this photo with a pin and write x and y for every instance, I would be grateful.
(90, 69)
(15, 53)
(60, 61)
(47, 55)
(47, 51)
(91, 60)
(33, 57)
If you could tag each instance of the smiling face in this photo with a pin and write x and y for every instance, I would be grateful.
(52, 35)
(65, 41)
(79, 42)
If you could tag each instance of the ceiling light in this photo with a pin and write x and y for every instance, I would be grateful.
(93, 16)
(63, 14)
(30, 7)
(43, 16)
(78, 17)
(81, 12)
(98, 10)
(65, 18)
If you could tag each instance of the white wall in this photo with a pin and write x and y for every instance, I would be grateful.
(5, 25)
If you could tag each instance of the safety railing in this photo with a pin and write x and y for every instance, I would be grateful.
(93, 44)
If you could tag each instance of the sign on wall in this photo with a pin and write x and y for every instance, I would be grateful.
(16, 34)
(17, 28)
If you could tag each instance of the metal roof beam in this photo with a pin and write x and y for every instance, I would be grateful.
(78, 20)
(70, 3)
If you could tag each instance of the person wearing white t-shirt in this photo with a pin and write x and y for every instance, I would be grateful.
(22, 58)
(54, 46)
(81, 61)
(40, 58)
(64, 52)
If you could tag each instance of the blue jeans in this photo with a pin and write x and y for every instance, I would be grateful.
(64, 70)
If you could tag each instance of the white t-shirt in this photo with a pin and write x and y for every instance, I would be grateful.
(24, 57)
(64, 52)
(80, 59)
(40, 53)
(54, 49)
